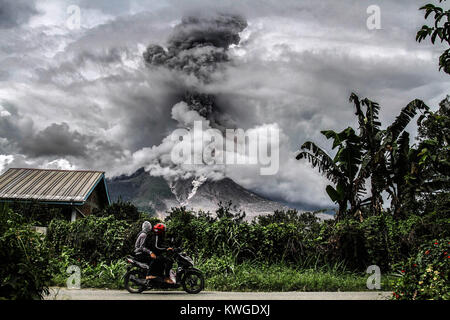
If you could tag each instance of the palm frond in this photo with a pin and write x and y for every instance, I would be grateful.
(403, 119)
(373, 109)
(320, 159)
(359, 185)
(355, 100)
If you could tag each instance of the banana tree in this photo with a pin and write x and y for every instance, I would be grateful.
(374, 154)
(400, 158)
(340, 170)
(373, 163)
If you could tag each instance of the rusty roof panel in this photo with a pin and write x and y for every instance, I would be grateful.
(48, 185)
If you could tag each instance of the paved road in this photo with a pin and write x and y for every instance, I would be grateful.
(100, 294)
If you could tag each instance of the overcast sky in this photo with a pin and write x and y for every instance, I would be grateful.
(83, 98)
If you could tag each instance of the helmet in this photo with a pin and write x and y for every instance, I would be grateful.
(159, 228)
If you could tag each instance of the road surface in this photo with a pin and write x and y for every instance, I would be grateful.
(102, 294)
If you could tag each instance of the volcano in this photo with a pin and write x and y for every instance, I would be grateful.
(156, 195)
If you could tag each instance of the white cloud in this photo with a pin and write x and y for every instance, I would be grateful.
(5, 160)
(295, 67)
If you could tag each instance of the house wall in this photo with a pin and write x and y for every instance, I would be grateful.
(94, 202)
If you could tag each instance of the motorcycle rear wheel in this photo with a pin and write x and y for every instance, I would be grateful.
(131, 286)
(193, 282)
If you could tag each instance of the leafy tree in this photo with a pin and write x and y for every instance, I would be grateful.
(372, 165)
(229, 211)
(373, 153)
(341, 170)
(395, 145)
(430, 177)
(440, 29)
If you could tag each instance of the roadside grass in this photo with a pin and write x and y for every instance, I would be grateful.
(253, 277)
(223, 275)
(102, 275)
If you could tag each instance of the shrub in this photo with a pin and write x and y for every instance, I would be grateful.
(92, 239)
(347, 243)
(426, 275)
(24, 259)
(224, 274)
(37, 213)
(93, 275)
(120, 210)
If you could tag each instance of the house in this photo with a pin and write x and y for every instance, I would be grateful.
(77, 193)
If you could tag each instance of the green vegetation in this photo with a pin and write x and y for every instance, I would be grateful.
(24, 269)
(415, 178)
(283, 251)
(93, 275)
(439, 30)
(250, 276)
(427, 274)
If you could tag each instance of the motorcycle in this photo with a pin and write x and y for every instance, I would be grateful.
(186, 276)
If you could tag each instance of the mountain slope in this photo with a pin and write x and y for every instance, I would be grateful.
(146, 192)
(156, 195)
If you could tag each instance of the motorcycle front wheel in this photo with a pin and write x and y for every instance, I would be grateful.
(193, 281)
(130, 284)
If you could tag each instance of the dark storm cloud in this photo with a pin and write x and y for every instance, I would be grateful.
(56, 140)
(217, 31)
(198, 44)
(16, 12)
(18, 133)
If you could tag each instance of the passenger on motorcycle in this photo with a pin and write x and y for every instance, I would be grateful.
(158, 249)
(142, 247)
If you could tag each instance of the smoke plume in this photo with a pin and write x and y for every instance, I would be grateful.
(198, 47)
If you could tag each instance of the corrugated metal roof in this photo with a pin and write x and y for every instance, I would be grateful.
(48, 185)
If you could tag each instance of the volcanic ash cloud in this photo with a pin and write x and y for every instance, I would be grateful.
(198, 47)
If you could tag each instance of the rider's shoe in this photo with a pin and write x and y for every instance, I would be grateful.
(148, 280)
(168, 281)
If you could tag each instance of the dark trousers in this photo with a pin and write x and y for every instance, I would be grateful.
(162, 266)
(145, 258)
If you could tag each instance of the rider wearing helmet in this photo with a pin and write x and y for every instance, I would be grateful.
(142, 247)
(158, 248)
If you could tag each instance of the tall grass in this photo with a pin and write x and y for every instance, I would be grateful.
(253, 276)
(102, 275)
